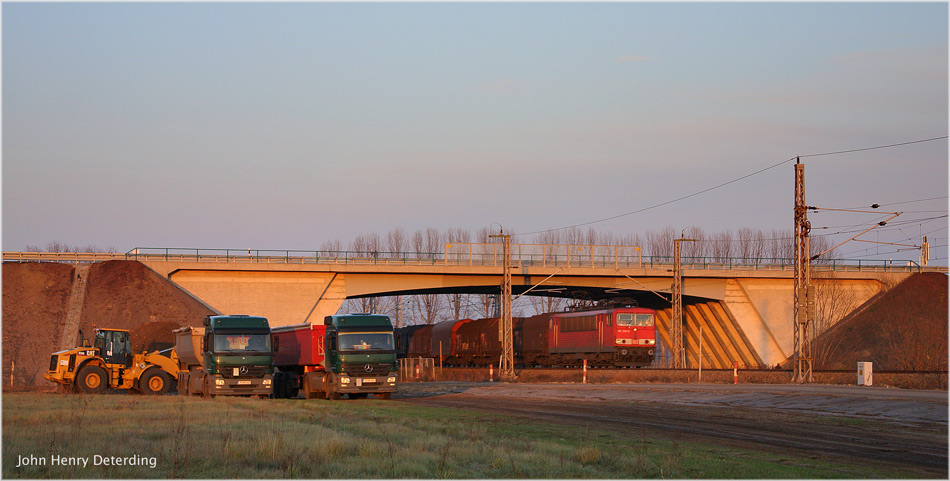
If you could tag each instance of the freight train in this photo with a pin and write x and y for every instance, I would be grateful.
(618, 337)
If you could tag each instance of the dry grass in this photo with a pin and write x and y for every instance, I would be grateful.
(245, 438)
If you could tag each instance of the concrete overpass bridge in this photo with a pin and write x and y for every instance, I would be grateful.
(742, 307)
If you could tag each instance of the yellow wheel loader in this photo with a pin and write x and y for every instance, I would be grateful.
(109, 363)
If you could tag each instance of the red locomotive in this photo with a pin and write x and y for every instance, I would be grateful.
(622, 337)
(610, 337)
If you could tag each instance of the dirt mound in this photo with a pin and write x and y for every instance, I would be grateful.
(34, 307)
(126, 295)
(904, 328)
(119, 294)
(154, 336)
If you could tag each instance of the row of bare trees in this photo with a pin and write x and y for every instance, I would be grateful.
(57, 246)
(744, 243)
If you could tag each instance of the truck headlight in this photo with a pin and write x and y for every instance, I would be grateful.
(344, 380)
(391, 379)
(267, 382)
(219, 382)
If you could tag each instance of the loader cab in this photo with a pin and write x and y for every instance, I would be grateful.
(114, 346)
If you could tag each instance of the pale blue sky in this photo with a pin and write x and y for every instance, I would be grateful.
(281, 126)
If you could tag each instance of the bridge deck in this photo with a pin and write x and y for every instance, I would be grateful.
(519, 260)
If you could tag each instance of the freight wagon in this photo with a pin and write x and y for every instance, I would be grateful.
(623, 337)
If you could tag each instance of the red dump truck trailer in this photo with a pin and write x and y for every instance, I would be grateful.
(351, 355)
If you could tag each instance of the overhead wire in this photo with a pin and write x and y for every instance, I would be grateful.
(875, 148)
(900, 203)
(694, 194)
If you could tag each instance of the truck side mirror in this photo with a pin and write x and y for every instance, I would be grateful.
(276, 341)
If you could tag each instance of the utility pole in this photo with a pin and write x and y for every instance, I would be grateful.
(804, 294)
(924, 252)
(676, 323)
(507, 368)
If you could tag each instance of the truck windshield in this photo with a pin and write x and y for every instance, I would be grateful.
(628, 319)
(365, 341)
(241, 343)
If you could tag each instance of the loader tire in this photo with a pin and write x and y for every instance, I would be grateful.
(92, 379)
(155, 381)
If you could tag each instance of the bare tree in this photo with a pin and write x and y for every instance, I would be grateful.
(819, 244)
(331, 246)
(396, 240)
(396, 243)
(427, 307)
(721, 246)
(543, 304)
(781, 244)
(574, 236)
(457, 302)
(660, 242)
(745, 239)
(367, 244)
(833, 303)
(418, 243)
(698, 247)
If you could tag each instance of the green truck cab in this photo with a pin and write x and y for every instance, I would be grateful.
(360, 355)
(230, 355)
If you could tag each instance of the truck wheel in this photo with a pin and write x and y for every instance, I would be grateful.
(206, 389)
(206, 394)
(92, 379)
(278, 389)
(154, 381)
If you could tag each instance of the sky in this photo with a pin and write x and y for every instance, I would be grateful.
(283, 126)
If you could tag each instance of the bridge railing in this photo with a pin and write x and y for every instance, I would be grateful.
(525, 255)
(268, 256)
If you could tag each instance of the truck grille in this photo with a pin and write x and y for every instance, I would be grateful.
(367, 368)
(227, 372)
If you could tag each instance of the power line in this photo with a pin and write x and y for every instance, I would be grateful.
(899, 203)
(694, 194)
(661, 204)
(892, 224)
(874, 148)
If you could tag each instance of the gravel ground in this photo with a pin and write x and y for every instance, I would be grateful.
(888, 427)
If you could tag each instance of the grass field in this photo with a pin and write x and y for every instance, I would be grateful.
(245, 438)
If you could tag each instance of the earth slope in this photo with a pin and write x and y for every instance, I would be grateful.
(904, 328)
(119, 294)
